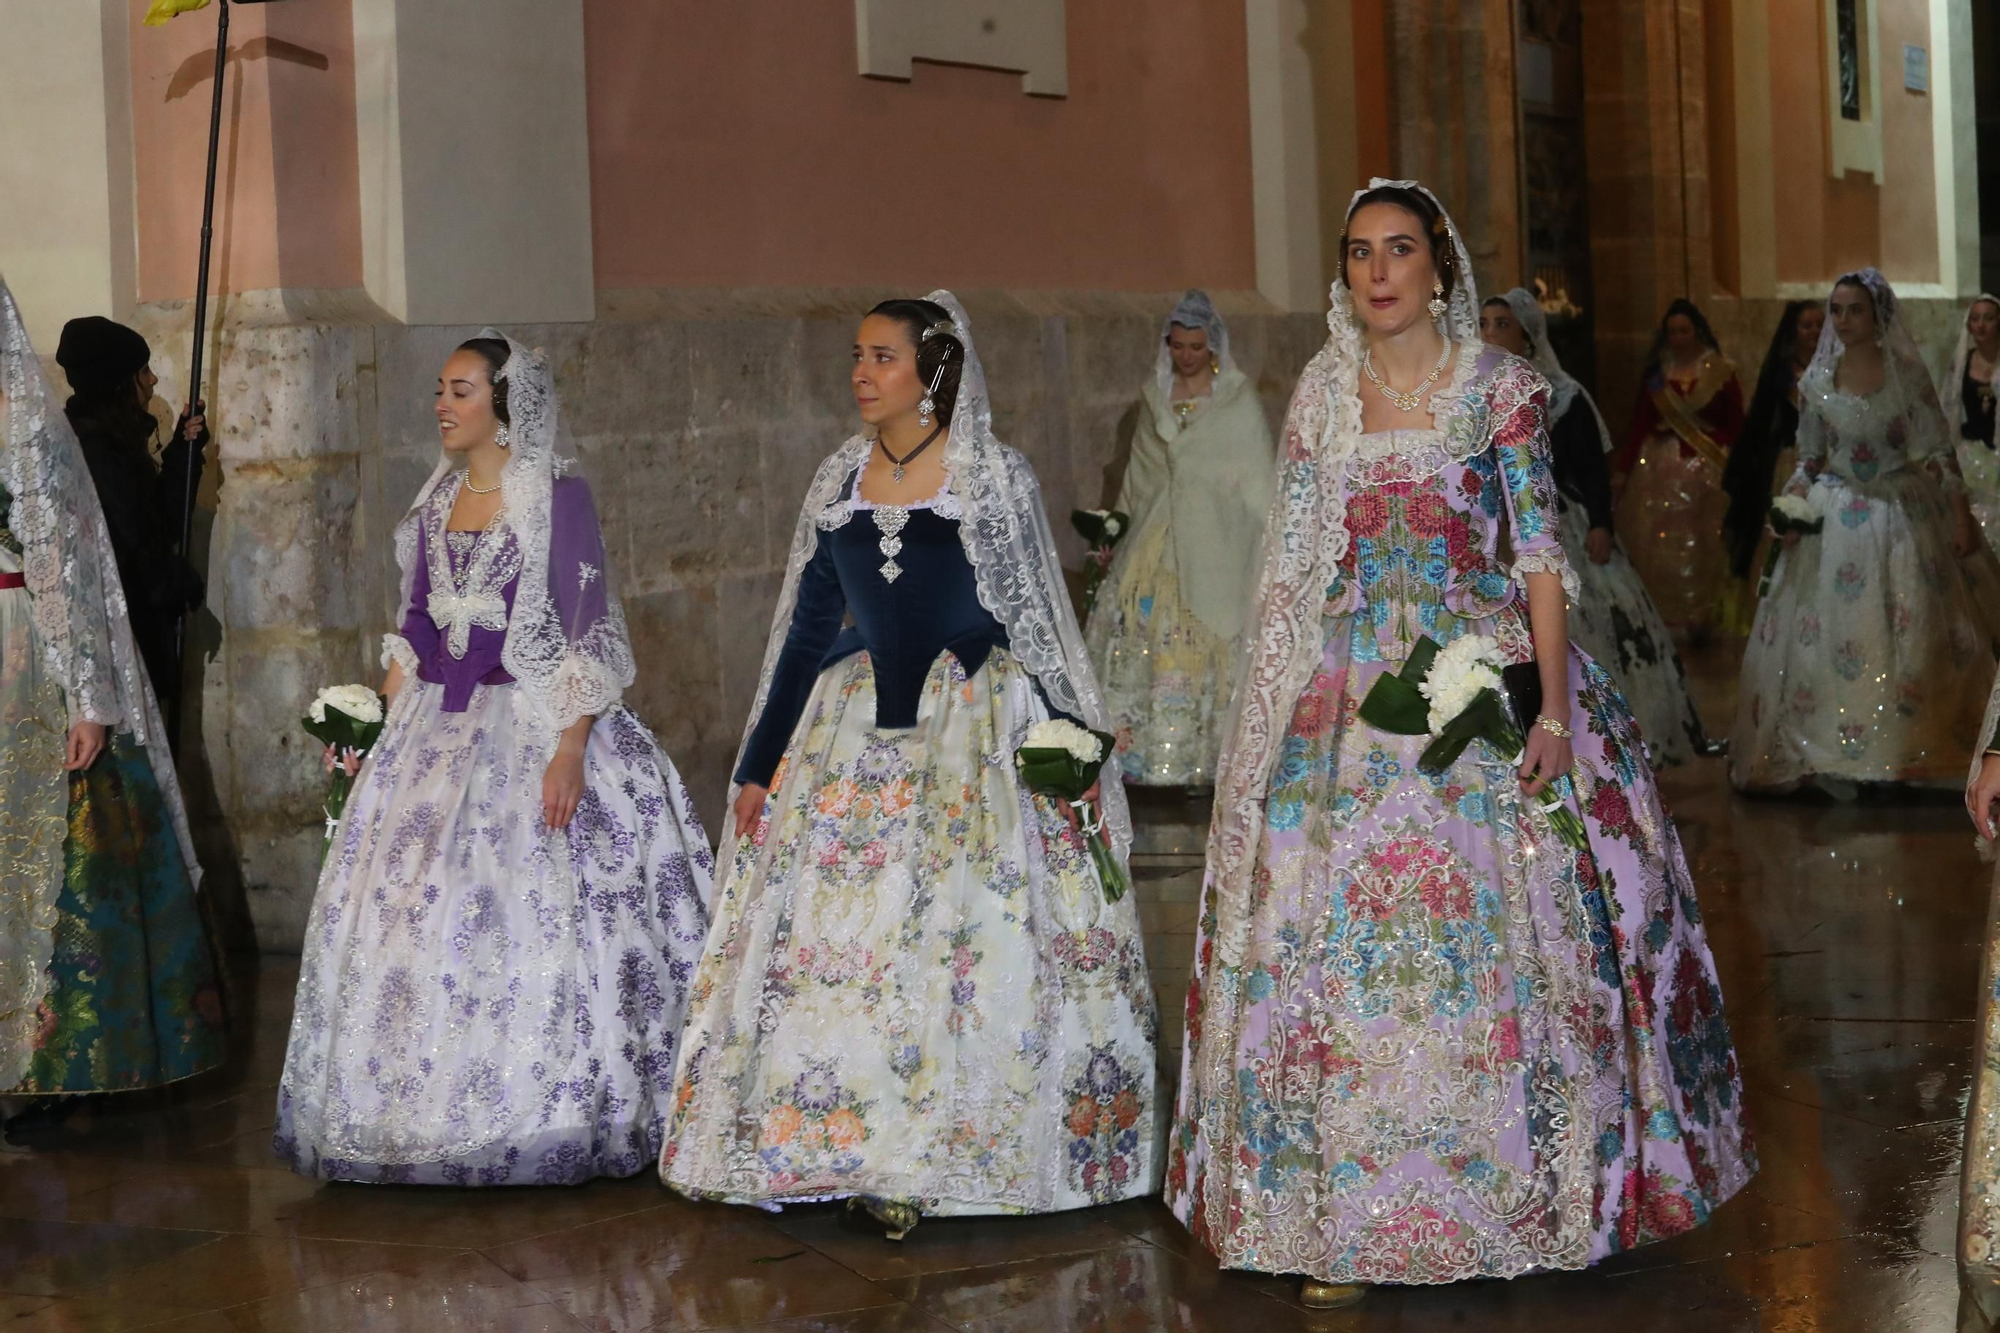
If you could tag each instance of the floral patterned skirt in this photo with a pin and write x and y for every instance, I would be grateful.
(1871, 653)
(1614, 620)
(134, 995)
(1167, 677)
(1453, 1048)
(914, 989)
(1670, 523)
(1979, 1186)
(482, 1000)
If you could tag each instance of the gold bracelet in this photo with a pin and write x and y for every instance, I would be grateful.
(1555, 727)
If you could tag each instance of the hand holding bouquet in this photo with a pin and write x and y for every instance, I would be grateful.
(347, 719)
(1453, 695)
(1102, 529)
(1789, 514)
(1061, 760)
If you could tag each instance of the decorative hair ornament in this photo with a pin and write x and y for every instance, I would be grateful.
(942, 326)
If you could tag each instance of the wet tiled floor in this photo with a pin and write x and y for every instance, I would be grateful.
(1848, 938)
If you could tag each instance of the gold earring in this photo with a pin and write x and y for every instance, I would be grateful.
(1214, 366)
(1437, 305)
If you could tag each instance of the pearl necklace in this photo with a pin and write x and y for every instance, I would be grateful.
(1406, 401)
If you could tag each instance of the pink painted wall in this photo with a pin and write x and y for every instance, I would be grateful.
(288, 208)
(745, 151)
(1828, 226)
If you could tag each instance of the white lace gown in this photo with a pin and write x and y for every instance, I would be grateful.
(1871, 651)
(484, 1000)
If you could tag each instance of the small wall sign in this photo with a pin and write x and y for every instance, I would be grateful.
(1916, 69)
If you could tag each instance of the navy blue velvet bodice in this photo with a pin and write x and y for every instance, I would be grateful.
(932, 607)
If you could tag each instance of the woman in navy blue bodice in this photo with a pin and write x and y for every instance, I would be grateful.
(915, 996)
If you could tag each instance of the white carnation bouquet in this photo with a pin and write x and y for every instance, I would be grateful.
(1789, 514)
(1454, 695)
(348, 718)
(1062, 760)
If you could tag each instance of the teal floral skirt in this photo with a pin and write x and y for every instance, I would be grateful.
(135, 996)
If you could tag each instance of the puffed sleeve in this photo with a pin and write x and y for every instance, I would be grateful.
(1521, 445)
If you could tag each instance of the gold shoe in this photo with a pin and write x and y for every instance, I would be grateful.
(891, 1218)
(1330, 1295)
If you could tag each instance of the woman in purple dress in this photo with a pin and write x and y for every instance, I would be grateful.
(496, 963)
(1427, 1040)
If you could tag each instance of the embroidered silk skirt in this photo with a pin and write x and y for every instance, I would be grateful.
(1670, 523)
(1453, 1047)
(914, 989)
(1167, 677)
(483, 1000)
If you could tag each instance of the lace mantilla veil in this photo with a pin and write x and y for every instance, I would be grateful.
(1903, 366)
(568, 664)
(1013, 554)
(1951, 392)
(1305, 540)
(1563, 386)
(1195, 311)
(72, 575)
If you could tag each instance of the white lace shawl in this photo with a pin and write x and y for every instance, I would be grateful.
(1006, 536)
(77, 600)
(1305, 540)
(1906, 388)
(1564, 389)
(1951, 394)
(568, 666)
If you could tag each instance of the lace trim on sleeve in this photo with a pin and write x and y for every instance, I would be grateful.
(396, 651)
(1548, 562)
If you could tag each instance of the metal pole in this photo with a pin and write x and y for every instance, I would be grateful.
(173, 705)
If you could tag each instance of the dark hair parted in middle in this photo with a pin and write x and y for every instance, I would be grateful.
(494, 352)
(1702, 332)
(940, 357)
(1436, 229)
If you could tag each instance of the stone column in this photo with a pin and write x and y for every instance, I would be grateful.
(475, 161)
(1646, 140)
(1454, 116)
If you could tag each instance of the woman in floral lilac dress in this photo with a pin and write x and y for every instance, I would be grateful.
(496, 963)
(1427, 1040)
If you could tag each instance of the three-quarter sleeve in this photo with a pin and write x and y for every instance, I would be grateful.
(1811, 442)
(816, 619)
(1930, 439)
(1521, 444)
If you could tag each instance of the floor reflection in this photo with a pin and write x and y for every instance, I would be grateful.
(1848, 937)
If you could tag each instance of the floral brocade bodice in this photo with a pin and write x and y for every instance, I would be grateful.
(1863, 439)
(1442, 522)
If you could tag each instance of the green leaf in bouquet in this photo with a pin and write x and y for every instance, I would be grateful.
(1395, 703)
(1483, 720)
(1054, 772)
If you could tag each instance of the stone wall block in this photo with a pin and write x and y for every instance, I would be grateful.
(744, 371)
(826, 364)
(748, 602)
(407, 363)
(601, 463)
(285, 545)
(637, 379)
(1113, 354)
(791, 454)
(272, 679)
(678, 686)
(280, 873)
(695, 503)
(285, 392)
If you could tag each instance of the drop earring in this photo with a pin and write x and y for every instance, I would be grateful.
(924, 411)
(503, 437)
(1214, 366)
(1437, 306)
